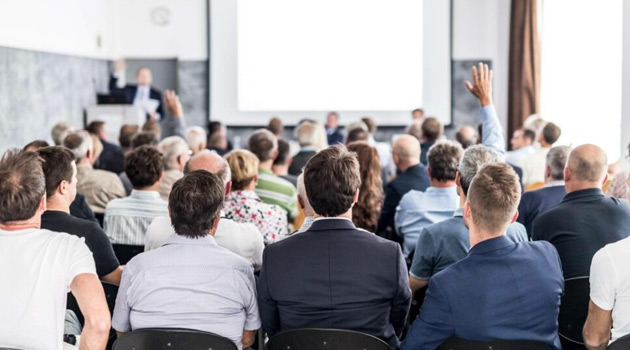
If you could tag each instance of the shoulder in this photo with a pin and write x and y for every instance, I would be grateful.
(446, 227)
(412, 196)
(246, 230)
(541, 247)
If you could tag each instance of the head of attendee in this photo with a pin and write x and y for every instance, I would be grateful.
(217, 138)
(332, 121)
(431, 129)
(97, 128)
(535, 123)
(466, 136)
(522, 138)
(366, 211)
(264, 144)
(144, 77)
(472, 160)
(415, 129)
(305, 205)
(176, 154)
(144, 167)
(443, 159)
(586, 168)
(417, 114)
(371, 126)
(305, 134)
(549, 135)
(276, 127)
(22, 190)
(556, 161)
(60, 172)
(244, 169)
(144, 138)
(33, 146)
(320, 137)
(357, 134)
(406, 152)
(283, 160)
(154, 127)
(196, 138)
(60, 131)
(80, 143)
(127, 133)
(97, 146)
(212, 162)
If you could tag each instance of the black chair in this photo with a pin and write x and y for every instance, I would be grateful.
(124, 253)
(622, 343)
(172, 339)
(573, 312)
(454, 343)
(325, 339)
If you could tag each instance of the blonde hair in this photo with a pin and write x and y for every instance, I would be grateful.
(244, 167)
(97, 146)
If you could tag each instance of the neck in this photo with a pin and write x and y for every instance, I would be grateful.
(153, 188)
(462, 197)
(266, 164)
(442, 184)
(34, 222)
(478, 236)
(572, 186)
(56, 203)
(280, 170)
(346, 215)
(406, 165)
(85, 161)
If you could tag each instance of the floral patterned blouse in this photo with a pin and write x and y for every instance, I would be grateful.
(247, 207)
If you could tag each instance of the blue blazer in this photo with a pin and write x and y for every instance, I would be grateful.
(130, 91)
(112, 159)
(500, 291)
(335, 276)
(537, 202)
(335, 137)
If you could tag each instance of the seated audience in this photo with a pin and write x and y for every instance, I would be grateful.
(432, 129)
(415, 129)
(411, 176)
(126, 135)
(383, 148)
(321, 139)
(534, 203)
(533, 166)
(309, 213)
(586, 220)
(153, 127)
(243, 240)
(98, 186)
(466, 136)
(209, 288)
(144, 138)
(305, 135)
(196, 138)
(111, 159)
(41, 266)
(518, 286)
(366, 211)
(276, 127)
(60, 131)
(522, 142)
(283, 162)
(271, 188)
(176, 153)
(35, 145)
(334, 275)
(618, 187)
(442, 244)
(417, 115)
(61, 187)
(217, 139)
(357, 134)
(438, 202)
(333, 131)
(243, 205)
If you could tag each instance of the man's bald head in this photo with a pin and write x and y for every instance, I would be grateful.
(210, 162)
(407, 149)
(588, 163)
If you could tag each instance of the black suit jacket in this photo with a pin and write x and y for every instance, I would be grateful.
(111, 159)
(335, 137)
(299, 161)
(335, 276)
(130, 90)
(534, 203)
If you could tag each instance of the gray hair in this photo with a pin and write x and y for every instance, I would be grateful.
(195, 136)
(80, 143)
(60, 131)
(557, 160)
(222, 170)
(305, 134)
(301, 189)
(172, 147)
(473, 159)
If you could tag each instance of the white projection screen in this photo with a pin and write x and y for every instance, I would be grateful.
(299, 59)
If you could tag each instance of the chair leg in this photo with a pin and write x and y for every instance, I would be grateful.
(261, 339)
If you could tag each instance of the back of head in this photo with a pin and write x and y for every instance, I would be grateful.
(60, 131)
(57, 167)
(305, 134)
(127, 133)
(407, 149)
(154, 127)
(357, 134)
(557, 160)
(529, 135)
(172, 147)
(369, 164)
(443, 159)
(144, 166)
(263, 144)
(214, 127)
(534, 122)
(196, 138)
(473, 159)
(35, 145)
(370, 123)
(209, 161)
(80, 143)
(332, 178)
(22, 185)
(195, 203)
(551, 133)
(144, 138)
(283, 153)
(244, 168)
(466, 136)
(415, 129)
(275, 126)
(493, 196)
(588, 164)
(96, 127)
(431, 129)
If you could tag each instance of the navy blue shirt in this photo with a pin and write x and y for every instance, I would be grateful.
(537, 202)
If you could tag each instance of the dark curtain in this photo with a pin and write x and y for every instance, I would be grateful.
(524, 69)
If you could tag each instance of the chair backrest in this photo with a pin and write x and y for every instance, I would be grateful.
(622, 343)
(172, 339)
(454, 343)
(573, 310)
(124, 252)
(325, 339)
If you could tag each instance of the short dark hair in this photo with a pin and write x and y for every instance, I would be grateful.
(357, 134)
(214, 127)
(370, 123)
(275, 126)
(195, 203)
(529, 134)
(143, 166)
(418, 110)
(95, 126)
(37, 144)
(442, 160)
(144, 138)
(262, 143)
(127, 132)
(283, 153)
(551, 133)
(22, 185)
(57, 167)
(332, 177)
(431, 129)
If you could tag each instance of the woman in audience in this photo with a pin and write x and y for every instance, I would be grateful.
(243, 205)
(366, 211)
(217, 139)
(321, 140)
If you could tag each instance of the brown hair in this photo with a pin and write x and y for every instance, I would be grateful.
(332, 178)
(366, 211)
(443, 159)
(35, 145)
(95, 127)
(262, 143)
(144, 166)
(283, 153)
(22, 185)
(57, 167)
(370, 123)
(127, 133)
(493, 196)
(244, 167)
(551, 133)
(275, 126)
(431, 129)
(144, 138)
(357, 134)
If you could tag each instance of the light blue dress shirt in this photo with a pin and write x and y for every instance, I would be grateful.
(492, 135)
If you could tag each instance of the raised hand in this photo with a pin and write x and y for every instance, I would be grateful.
(173, 104)
(482, 84)
(119, 66)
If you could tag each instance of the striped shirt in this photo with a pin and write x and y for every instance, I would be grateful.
(127, 219)
(273, 189)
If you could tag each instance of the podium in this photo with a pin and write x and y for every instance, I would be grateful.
(114, 117)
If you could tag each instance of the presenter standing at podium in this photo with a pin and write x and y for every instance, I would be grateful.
(140, 94)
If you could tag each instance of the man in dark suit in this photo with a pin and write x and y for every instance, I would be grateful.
(334, 275)
(431, 131)
(586, 219)
(502, 290)
(305, 134)
(334, 134)
(137, 94)
(112, 158)
(411, 176)
(537, 202)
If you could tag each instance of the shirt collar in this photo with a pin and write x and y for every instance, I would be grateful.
(582, 193)
(442, 189)
(307, 149)
(491, 245)
(335, 223)
(144, 194)
(265, 171)
(330, 218)
(459, 212)
(244, 193)
(555, 183)
(177, 239)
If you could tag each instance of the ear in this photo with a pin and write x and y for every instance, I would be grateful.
(289, 161)
(275, 154)
(169, 211)
(429, 172)
(215, 225)
(62, 188)
(356, 197)
(514, 217)
(301, 202)
(256, 178)
(567, 175)
(458, 179)
(228, 187)
(547, 171)
(42, 204)
(161, 176)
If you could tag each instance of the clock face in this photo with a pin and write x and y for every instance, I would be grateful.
(160, 16)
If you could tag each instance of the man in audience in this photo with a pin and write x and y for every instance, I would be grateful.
(534, 203)
(98, 186)
(411, 176)
(61, 188)
(533, 166)
(431, 132)
(138, 94)
(356, 134)
(305, 205)
(415, 129)
(283, 162)
(334, 275)
(518, 286)
(217, 138)
(153, 127)
(305, 135)
(111, 159)
(271, 188)
(417, 115)
(438, 202)
(209, 288)
(276, 127)
(444, 243)
(127, 219)
(39, 267)
(33, 146)
(60, 131)
(586, 220)
(241, 239)
(127, 133)
(335, 135)
(176, 153)
(466, 136)
(196, 138)
(144, 138)
(522, 142)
